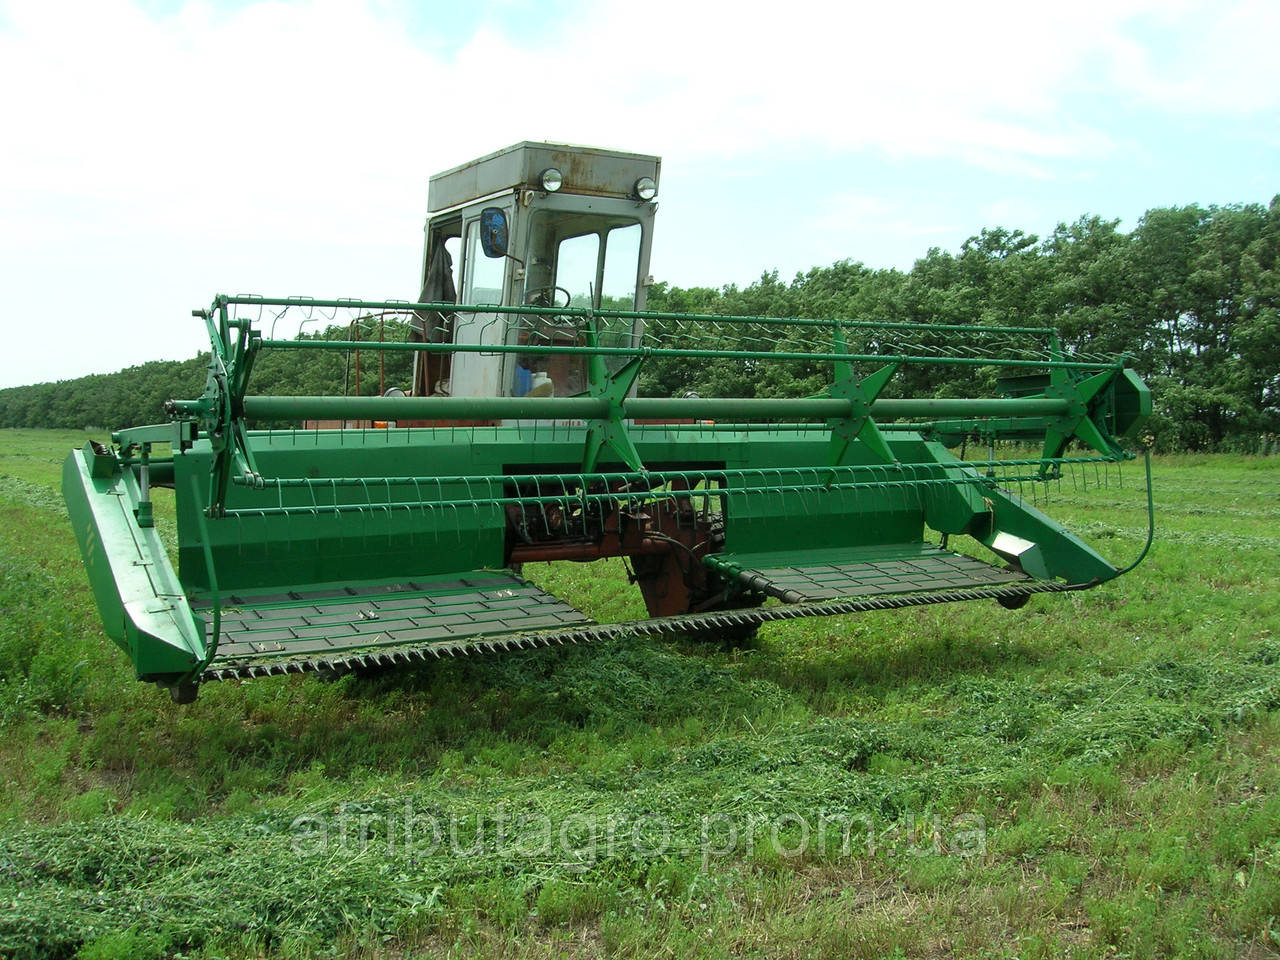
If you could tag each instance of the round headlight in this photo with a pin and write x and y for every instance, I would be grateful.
(551, 180)
(646, 189)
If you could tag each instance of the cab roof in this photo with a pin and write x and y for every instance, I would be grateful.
(591, 171)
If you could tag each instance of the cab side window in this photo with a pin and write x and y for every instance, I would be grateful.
(483, 276)
(621, 256)
(576, 267)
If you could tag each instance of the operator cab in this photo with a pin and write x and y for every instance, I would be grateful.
(539, 225)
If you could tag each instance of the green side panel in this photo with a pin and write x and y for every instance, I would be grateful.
(954, 503)
(390, 532)
(958, 508)
(373, 538)
(140, 600)
(872, 512)
(1042, 548)
(1002, 521)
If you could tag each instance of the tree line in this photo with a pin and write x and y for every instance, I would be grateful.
(136, 395)
(1192, 294)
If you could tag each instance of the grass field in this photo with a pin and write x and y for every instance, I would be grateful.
(1095, 775)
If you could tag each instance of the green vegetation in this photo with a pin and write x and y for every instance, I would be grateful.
(1093, 774)
(1192, 294)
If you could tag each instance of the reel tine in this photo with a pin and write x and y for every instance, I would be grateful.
(540, 501)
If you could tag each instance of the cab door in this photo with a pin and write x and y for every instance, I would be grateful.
(441, 263)
(485, 281)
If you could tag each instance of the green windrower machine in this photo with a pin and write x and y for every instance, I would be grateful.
(549, 418)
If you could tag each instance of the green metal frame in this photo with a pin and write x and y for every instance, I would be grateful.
(849, 470)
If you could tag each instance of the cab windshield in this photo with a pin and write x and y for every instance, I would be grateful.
(574, 261)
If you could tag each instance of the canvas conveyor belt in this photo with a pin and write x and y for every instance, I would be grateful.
(347, 627)
(806, 576)
(354, 628)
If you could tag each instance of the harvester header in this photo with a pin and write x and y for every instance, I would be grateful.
(550, 417)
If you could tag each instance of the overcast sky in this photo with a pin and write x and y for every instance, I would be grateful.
(153, 154)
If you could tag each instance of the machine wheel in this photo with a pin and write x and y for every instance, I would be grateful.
(1014, 603)
(184, 692)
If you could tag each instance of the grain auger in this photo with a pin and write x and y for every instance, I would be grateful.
(746, 469)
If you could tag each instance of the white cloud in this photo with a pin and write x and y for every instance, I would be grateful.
(861, 226)
(1194, 58)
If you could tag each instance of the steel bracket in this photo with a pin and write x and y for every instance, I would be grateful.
(861, 394)
(610, 431)
(1076, 423)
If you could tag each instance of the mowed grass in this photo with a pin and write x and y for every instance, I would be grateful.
(1094, 775)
